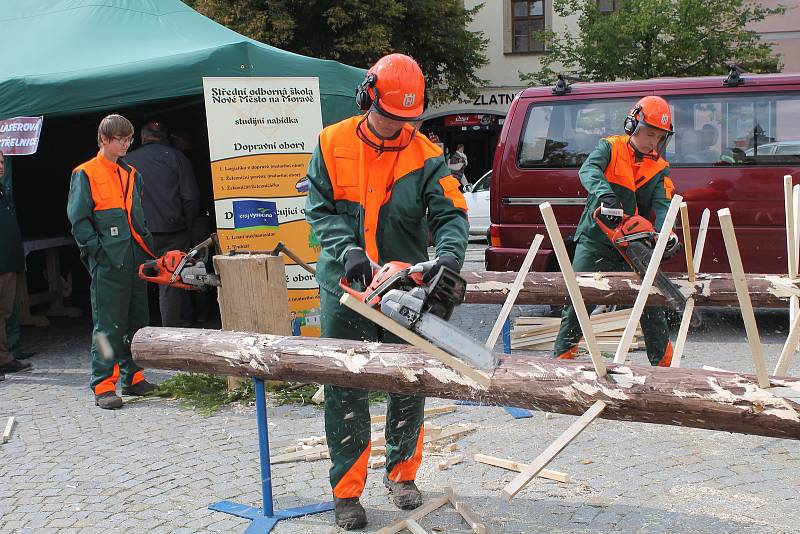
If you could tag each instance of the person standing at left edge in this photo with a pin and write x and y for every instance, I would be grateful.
(105, 209)
(375, 187)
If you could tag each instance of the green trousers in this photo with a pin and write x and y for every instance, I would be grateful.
(119, 309)
(594, 257)
(347, 419)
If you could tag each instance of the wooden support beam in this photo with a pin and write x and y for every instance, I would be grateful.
(466, 512)
(683, 397)
(789, 348)
(687, 240)
(647, 279)
(572, 286)
(511, 465)
(381, 320)
(521, 480)
(512, 295)
(735, 261)
(683, 331)
(701, 239)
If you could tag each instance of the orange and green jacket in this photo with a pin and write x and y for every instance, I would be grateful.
(383, 202)
(105, 209)
(643, 187)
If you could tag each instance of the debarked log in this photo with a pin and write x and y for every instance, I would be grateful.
(490, 287)
(713, 400)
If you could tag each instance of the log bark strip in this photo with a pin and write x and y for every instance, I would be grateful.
(697, 398)
(490, 287)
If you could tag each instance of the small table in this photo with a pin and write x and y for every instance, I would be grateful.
(53, 294)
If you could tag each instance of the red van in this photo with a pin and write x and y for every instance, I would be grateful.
(734, 141)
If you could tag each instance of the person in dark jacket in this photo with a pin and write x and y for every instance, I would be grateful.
(12, 262)
(170, 200)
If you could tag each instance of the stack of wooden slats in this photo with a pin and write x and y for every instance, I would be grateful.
(539, 333)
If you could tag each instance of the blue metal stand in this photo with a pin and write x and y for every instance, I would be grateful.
(265, 518)
(516, 413)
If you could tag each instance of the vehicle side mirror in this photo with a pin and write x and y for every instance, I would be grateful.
(468, 188)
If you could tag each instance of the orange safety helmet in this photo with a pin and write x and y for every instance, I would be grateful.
(395, 86)
(654, 112)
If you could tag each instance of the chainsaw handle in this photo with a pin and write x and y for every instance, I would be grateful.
(610, 232)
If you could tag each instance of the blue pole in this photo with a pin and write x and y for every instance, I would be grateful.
(507, 336)
(263, 445)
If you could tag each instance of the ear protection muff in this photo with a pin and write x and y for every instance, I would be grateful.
(363, 98)
(632, 120)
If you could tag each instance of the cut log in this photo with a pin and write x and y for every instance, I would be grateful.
(683, 397)
(710, 289)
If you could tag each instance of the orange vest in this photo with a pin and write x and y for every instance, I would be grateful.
(625, 171)
(362, 175)
(112, 187)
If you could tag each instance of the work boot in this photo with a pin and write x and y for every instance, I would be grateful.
(405, 495)
(569, 354)
(108, 400)
(141, 388)
(349, 513)
(13, 366)
(2, 377)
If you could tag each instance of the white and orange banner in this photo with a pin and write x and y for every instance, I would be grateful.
(261, 133)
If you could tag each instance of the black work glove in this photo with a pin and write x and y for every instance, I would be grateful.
(357, 267)
(444, 261)
(673, 247)
(610, 210)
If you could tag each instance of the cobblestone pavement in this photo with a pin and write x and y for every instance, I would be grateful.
(155, 465)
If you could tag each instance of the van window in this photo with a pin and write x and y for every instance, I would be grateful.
(716, 130)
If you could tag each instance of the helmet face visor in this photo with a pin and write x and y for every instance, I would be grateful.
(649, 141)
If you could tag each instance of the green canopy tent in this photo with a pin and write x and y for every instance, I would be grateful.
(65, 57)
(74, 61)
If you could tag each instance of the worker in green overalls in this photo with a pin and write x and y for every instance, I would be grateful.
(624, 175)
(105, 209)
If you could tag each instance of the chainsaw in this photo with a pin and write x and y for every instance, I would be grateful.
(634, 238)
(399, 292)
(186, 270)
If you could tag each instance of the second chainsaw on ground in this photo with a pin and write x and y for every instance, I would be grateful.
(398, 290)
(635, 238)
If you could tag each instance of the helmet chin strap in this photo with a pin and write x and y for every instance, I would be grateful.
(365, 133)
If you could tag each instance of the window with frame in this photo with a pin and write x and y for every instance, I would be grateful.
(607, 7)
(710, 130)
(527, 18)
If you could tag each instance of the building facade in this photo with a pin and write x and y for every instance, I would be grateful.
(511, 50)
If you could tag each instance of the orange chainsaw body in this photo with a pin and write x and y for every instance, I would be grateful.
(162, 270)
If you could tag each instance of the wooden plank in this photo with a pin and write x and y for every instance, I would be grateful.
(553, 449)
(746, 306)
(447, 463)
(511, 465)
(789, 348)
(472, 519)
(381, 320)
(647, 280)
(253, 296)
(9, 428)
(701, 239)
(606, 327)
(436, 410)
(416, 515)
(572, 286)
(683, 331)
(687, 240)
(414, 527)
(512, 294)
(789, 213)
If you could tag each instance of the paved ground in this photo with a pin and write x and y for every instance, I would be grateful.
(154, 466)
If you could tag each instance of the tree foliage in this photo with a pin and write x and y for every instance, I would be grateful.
(651, 38)
(358, 32)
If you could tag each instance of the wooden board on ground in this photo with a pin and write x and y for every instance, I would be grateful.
(481, 378)
(552, 450)
(253, 296)
(8, 429)
(435, 410)
(511, 465)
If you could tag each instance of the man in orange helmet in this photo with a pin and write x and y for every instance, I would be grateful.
(375, 189)
(624, 175)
